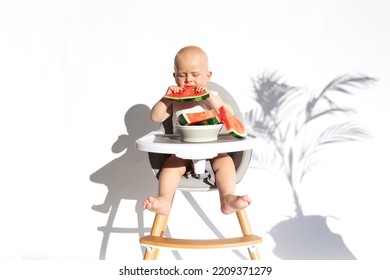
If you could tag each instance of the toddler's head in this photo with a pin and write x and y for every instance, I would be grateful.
(191, 67)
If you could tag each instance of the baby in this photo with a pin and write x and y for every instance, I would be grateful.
(191, 69)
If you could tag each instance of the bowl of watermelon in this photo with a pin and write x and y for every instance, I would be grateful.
(205, 126)
(199, 127)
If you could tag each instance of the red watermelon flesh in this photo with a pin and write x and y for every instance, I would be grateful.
(210, 121)
(188, 94)
(233, 125)
(204, 118)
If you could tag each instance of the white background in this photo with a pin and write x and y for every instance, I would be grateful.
(70, 70)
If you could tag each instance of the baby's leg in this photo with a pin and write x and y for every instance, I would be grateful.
(170, 176)
(225, 179)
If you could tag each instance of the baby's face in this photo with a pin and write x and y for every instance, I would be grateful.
(192, 70)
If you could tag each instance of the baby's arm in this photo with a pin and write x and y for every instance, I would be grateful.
(163, 108)
(216, 101)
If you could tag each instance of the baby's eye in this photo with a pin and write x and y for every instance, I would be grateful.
(195, 74)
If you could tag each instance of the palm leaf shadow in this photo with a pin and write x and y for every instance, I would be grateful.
(298, 127)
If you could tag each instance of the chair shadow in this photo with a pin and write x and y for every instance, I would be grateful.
(126, 177)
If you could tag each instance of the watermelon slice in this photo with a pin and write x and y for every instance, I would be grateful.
(233, 125)
(204, 117)
(210, 121)
(188, 94)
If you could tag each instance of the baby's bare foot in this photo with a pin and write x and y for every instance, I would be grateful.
(232, 203)
(159, 205)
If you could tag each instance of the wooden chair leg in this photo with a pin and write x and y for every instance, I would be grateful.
(247, 230)
(158, 229)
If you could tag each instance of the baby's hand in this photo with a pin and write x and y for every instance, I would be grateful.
(173, 89)
(202, 88)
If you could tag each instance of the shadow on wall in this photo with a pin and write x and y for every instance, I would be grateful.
(299, 126)
(128, 176)
(308, 238)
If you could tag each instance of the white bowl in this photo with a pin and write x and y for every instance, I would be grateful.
(199, 133)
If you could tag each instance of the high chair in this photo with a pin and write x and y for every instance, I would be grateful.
(160, 146)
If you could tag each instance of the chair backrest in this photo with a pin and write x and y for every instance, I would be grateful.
(241, 159)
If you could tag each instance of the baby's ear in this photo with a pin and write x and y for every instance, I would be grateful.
(174, 75)
(209, 75)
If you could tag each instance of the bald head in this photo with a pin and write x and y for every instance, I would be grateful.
(191, 51)
(191, 67)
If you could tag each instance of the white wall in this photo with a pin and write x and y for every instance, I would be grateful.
(70, 70)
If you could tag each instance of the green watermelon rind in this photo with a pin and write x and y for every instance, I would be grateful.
(183, 120)
(237, 135)
(199, 97)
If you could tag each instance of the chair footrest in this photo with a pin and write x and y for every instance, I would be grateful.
(156, 241)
